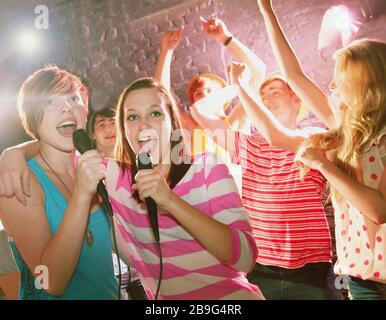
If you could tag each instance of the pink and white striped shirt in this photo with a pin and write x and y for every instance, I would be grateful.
(189, 270)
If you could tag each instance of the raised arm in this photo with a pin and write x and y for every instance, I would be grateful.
(14, 174)
(263, 119)
(29, 228)
(208, 120)
(290, 67)
(217, 30)
(170, 40)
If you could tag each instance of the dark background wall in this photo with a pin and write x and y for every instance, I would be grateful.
(109, 43)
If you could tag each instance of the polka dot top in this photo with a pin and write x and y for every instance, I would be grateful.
(360, 242)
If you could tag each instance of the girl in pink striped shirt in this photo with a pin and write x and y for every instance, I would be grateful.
(205, 235)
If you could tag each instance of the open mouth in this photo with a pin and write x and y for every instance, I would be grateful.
(111, 137)
(147, 143)
(66, 128)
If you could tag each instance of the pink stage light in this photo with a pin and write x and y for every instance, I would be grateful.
(338, 29)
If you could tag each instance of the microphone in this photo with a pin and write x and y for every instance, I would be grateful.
(143, 161)
(83, 143)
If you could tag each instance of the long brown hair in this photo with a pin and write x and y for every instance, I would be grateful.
(125, 155)
(362, 66)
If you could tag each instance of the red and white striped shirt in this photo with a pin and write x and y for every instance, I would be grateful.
(286, 214)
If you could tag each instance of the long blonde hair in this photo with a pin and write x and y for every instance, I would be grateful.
(361, 66)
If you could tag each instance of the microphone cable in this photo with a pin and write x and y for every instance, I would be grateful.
(83, 143)
(160, 270)
(143, 161)
(118, 258)
(110, 215)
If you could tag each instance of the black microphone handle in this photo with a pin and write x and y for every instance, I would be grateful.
(101, 188)
(143, 161)
(153, 217)
(83, 143)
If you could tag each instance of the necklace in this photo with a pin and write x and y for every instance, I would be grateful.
(88, 234)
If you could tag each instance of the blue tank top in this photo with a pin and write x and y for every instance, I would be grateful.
(94, 276)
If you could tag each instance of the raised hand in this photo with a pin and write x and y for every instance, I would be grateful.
(171, 39)
(215, 29)
(239, 73)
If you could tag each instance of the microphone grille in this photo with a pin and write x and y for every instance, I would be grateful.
(82, 141)
(144, 161)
